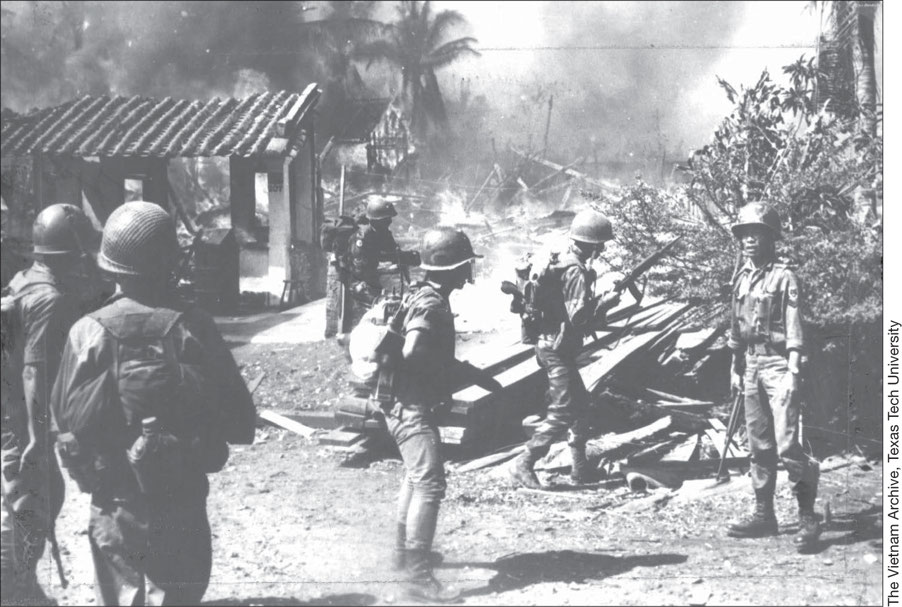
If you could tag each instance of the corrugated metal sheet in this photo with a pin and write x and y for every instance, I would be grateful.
(144, 127)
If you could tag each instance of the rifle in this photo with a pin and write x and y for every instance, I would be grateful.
(629, 281)
(55, 552)
(722, 474)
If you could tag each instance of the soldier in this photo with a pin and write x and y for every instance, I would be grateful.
(147, 398)
(43, 304)
(428, 374)
(373, 243)
(567, 315)
(767, 339)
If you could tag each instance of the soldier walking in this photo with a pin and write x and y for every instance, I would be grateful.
(566, 315)
(427, 376)
(767, 340)
(147, 398)
(40, 306)
(373, 243)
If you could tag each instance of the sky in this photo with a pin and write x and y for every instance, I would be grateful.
(663, 78)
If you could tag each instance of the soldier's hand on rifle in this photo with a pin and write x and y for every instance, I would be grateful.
(606, 302)
(737, 384)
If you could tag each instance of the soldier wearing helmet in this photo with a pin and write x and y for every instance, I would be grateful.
(178, 398)
(567, 313)
(767, 339)
(373, 243)
(428, 376)
(39, 306)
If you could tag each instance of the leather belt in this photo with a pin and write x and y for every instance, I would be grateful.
(763, 349)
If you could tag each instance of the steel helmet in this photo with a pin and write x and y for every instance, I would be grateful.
(757, 214)
(380, 209)
(138, 240)
(591, 226)
(62, 229)
(446, 249)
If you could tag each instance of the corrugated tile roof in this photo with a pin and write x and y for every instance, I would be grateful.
(142, 126)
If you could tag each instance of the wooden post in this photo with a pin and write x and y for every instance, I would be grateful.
(341, 288)
(547, 126)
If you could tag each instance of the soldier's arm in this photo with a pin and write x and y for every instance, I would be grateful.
(792, 314)
(46, 324)
(232, 395)
(577, 298)
(736, 345)
(388, 247)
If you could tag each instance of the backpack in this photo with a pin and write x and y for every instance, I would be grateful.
(336, 232)
(540, 279)
(149, 377)
(374, 345)
(12, 345)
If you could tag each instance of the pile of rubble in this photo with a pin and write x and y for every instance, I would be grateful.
(646, 347)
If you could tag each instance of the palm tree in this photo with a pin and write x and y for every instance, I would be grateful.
(848, 77)
(417, 44)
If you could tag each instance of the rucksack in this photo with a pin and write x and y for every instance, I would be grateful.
(374, 345)
(540, 277)
(149, 377)
(12, 345)
(336, 232)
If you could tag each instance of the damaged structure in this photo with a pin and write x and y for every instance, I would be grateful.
(99, 152)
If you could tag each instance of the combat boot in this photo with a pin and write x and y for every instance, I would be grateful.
(581, 473)
(421, 584)
(521, 472)
(809, 522)
(761, 523)
(399, 554)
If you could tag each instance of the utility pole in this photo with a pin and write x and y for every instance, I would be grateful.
(547, 126)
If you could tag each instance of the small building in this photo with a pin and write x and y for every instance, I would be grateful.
(101, 151)
(376, 136)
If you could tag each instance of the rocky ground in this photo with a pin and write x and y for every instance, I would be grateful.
(291, 526)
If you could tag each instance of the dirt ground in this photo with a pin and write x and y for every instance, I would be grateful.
(293, 527)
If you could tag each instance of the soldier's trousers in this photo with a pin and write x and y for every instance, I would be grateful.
(414, 430)
(772, 421)
(32, 499)
(148, 554)
(568, 402)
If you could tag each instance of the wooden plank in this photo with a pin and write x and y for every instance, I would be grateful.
(491, 460)
(608, 444)
(593, 373)
(341, 438)
(255, 383)
(683, 452)
(283, 422)
(314, 419)
(454, 435)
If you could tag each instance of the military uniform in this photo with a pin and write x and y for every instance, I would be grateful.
(766, 325)
(563, 326)
(423, 384)
(146, 550)
(32, 497)
(367, 248)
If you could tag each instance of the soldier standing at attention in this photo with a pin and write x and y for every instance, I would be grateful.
(767, 339)
(566, 315)
(147, 399)
(372, 244)
(43, 303)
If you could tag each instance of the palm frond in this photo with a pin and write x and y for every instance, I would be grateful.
(449, 53)
(444, 21)
(375, 50)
